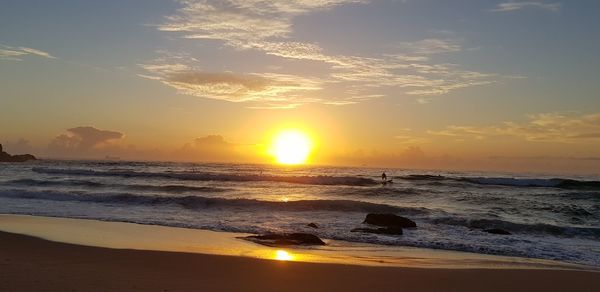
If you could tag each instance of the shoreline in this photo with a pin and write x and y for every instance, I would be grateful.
(122, 235)
(33, 264)
(452, 216)
(134, 257)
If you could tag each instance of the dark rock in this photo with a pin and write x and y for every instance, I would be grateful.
(286, 239)
(497, 231)
(22, 158)
(389, 220)
(5, 157)
(393, 230)
(313, 225)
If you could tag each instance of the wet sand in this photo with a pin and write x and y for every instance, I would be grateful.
(33, 264)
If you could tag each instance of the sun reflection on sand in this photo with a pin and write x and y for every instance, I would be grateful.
(282, 255)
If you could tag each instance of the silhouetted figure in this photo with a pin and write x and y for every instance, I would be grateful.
(383, 176)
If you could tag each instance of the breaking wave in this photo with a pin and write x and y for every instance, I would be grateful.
(198, 202)
(206, 176)
(537, 228)
(92, 184)
(509, 181)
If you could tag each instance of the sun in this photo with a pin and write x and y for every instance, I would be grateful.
(291, 147)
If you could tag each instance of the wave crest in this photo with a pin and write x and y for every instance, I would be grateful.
(510, 181)
(198, 202)
(539, 228)
(93, 184)
(206, 176)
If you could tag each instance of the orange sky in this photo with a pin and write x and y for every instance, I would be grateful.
(494, 85)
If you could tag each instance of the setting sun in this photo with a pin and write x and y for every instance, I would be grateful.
(291, 147)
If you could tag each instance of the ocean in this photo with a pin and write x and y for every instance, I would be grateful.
(548, 217)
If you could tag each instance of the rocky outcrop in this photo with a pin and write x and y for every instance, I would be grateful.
(497, 231)
(286, 239)
(389, 220)
(384, 230)
(5, 157)
(391, 224)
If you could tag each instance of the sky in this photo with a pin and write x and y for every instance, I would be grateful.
(481, 85)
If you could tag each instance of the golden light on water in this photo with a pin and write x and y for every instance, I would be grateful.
(282, 255)
(291, 147)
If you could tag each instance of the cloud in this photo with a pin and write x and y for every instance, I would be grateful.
(36, 52)
(17, 53)
(267, 88)
(545, 127)
(214, 148)
(267, 27)
(545, 157)
(561, 165)
(13, 55)
(89, 142)
(514, 6)
(415, 157)
(225, 86)
(241, 21)
(211, 140)
(406, 136)
(80, 140)
(410, 157)
(432, 46)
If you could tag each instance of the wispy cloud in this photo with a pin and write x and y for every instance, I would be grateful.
(37, 52)
(406, 136)
(269, 89)
(6, 54)
(241, 21)
(267, 27)
(513, 6)
(545, 127)
(432, 46)
(545, 158)
(17, 53)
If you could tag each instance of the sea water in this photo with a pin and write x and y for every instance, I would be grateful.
(548, 217)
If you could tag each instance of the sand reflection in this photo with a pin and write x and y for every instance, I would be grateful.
(282, 255)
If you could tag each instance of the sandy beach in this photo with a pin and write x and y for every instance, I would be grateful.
(34, 264)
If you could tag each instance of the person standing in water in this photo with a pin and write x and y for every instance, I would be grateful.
(383, 176)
